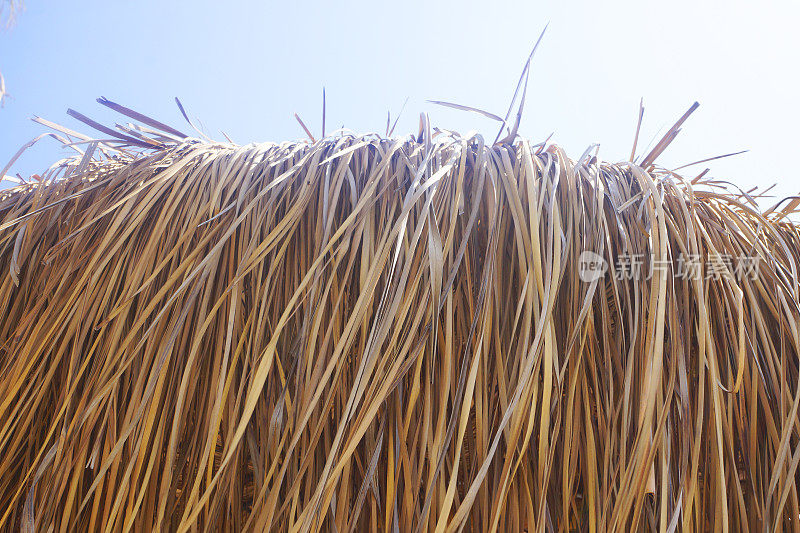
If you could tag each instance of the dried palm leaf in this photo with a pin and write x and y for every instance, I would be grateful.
(365, 333)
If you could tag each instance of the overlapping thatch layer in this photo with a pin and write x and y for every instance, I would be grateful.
(393, 334)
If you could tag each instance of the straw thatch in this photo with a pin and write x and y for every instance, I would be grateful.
(367, 333)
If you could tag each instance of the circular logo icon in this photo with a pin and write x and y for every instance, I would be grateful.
(591, 266)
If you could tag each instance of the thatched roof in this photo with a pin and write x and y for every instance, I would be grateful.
(392, 333)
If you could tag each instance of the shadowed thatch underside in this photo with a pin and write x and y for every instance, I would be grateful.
(391, 334)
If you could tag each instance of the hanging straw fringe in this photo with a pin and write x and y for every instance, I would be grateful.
(362, 333)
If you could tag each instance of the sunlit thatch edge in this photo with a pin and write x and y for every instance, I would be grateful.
(367, 332)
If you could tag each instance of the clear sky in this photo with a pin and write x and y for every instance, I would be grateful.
(246, 67)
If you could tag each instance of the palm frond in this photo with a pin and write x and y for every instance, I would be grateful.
(364, 333)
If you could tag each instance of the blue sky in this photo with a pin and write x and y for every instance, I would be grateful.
(246, 67)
